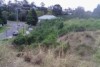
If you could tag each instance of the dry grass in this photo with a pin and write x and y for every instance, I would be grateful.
(41, 59)
(84, 42)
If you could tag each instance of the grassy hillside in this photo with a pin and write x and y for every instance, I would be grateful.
(86, 24)
(55, 43)
(47, 32)
(83, 51)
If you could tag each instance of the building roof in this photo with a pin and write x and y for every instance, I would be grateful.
(44, 17)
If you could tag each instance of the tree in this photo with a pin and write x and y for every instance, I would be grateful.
(57, 10)
(1, 2)
(42, 4)
(22, 15)
(88, 14)
(43, 9)
(79, 12)
(96, 12)
(3, 19)
(16, 1)
(25, 2)
(12, 16)
(32, 18)
(68, 11)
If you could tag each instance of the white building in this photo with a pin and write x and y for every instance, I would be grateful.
(46, 17)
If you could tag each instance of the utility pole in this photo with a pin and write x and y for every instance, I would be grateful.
(17, 18)
(17, 10)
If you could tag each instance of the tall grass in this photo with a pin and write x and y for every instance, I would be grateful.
(47, 32)
(88, 24)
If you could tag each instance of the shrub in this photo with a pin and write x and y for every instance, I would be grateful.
(19, 40)
(23, 40)
(50, 40)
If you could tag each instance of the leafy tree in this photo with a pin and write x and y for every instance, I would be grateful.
(32, 18)
(96, 12)
(42, 4)
(22, 15)
(68, 11)
(79, 12)
(3, 19)
(5, 14)
(25, 1)
(57, 10)
(0, 12)
(88, 14)
(33, 5)
(44, 10)
(12, 16)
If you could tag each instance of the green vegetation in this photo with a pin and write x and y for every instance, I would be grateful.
(74, 43)
(71, 40)
(32, 18)
(86, 24)
(47, 32)
(2, 29)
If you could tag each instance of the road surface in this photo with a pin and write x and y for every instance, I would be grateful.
(13, 26)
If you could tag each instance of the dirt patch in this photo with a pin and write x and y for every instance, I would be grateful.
(82, 43)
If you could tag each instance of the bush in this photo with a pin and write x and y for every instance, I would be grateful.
(23, 40)
(12, 17)
(50, 40)
(19, 40)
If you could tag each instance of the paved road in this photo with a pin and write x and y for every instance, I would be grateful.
(13, 26)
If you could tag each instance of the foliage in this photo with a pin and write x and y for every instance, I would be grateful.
(23, 40)
(79, 12)
(57, 10)
(22, 15)
(2, 29)
(12, 16)
(47, 32)
(49, 12)
(1, 21)
(19, 40)
(5, 14)
(43, 10)
(39, 13)
(32, 18)
(96, 12)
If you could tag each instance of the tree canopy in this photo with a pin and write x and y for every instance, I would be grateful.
(32, 18)
(57, 10)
